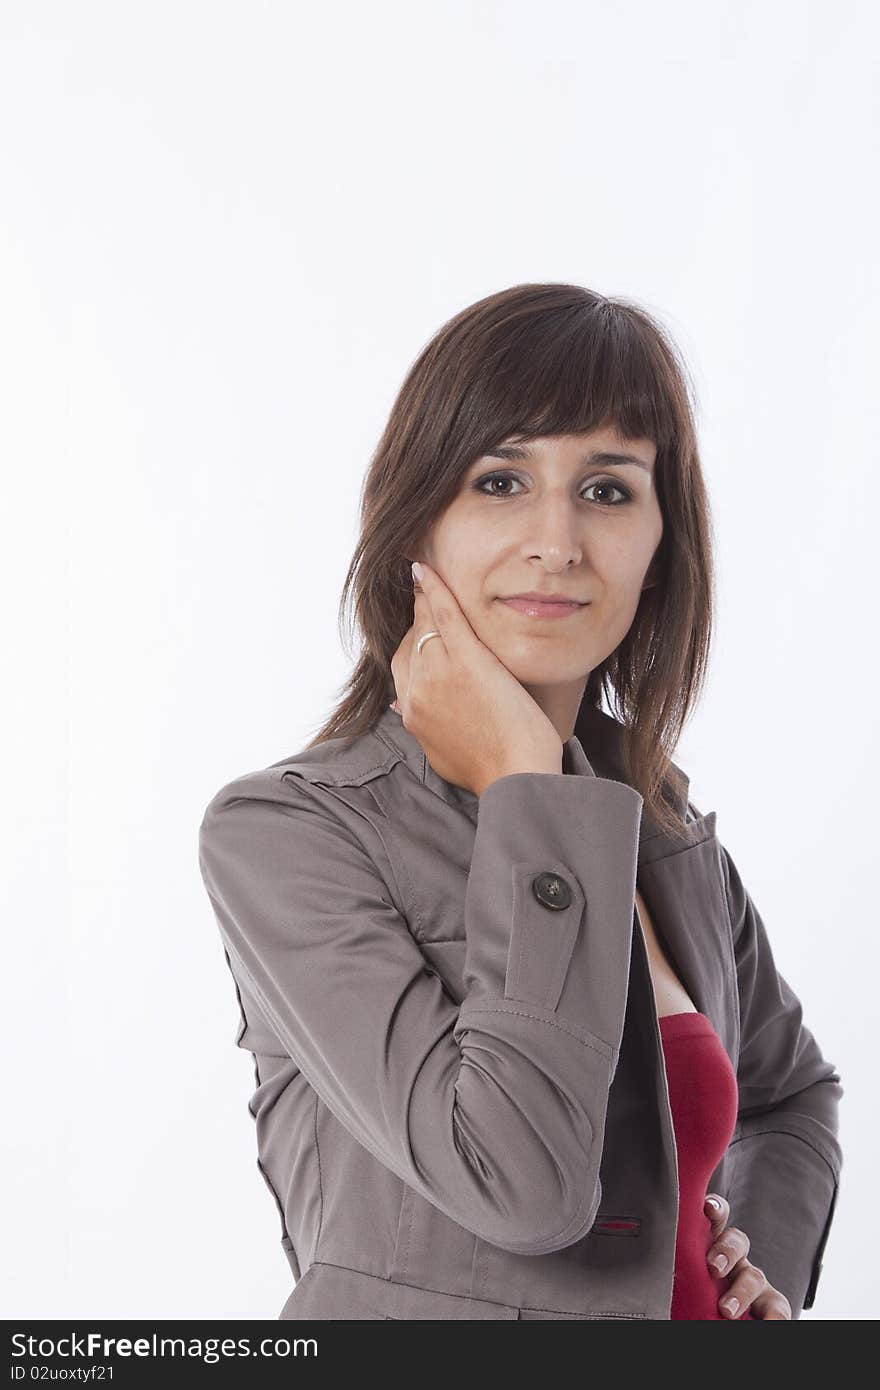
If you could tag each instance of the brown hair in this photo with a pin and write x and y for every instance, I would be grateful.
(536, 360)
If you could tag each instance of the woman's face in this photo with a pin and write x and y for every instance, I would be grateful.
(560, 519)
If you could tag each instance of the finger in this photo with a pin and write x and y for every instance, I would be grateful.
(423, 615)
(401, 664)
(747, 1284)
(400, 669)
(424, 622)
(402, 660)
(717, 1208)
(439, 607)
(771, 1305)
(730, 1247)
(423, 611)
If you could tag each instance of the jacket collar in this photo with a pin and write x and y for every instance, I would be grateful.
(594, 748)
(602, 736)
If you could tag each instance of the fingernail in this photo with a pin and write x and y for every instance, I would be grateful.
(416, 569)
(714, 1202)
(732, 1306)
(719, 1262)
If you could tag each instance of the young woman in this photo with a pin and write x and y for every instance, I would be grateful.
(521, 1046)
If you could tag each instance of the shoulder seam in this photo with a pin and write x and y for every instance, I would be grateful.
(340, 776)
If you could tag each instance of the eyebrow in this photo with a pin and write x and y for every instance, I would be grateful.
(601, 456)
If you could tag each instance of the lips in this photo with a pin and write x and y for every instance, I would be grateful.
(543, 608)
(548, 598)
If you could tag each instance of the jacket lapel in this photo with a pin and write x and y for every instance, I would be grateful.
(601, 737)
(680, 879)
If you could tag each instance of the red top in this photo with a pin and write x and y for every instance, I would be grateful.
(704, 1100)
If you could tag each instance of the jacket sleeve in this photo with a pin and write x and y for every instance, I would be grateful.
(786, 1156)
(494, 1110)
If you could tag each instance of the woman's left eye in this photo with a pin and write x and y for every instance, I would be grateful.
(480, 486)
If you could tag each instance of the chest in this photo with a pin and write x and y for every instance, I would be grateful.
(670, 993)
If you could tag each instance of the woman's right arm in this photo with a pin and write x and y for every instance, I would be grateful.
(494, 1110)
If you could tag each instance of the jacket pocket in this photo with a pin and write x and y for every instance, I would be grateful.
(329, 1292)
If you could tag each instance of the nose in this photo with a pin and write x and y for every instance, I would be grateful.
(554, 533)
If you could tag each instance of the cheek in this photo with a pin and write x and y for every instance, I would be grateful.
(621, 560)
(617, 619)
(464, 553)
(621, 574)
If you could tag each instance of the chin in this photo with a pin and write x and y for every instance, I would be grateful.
(542, 672)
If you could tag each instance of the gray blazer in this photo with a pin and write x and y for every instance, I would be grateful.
(460, 1084)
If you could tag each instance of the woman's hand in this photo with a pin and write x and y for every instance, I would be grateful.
(472, 717)
(748, 1283)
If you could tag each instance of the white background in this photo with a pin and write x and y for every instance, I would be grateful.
(227, 230)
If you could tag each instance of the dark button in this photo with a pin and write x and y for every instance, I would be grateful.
(551, 890)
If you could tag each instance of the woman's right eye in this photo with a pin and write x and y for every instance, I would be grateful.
(479, 485)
